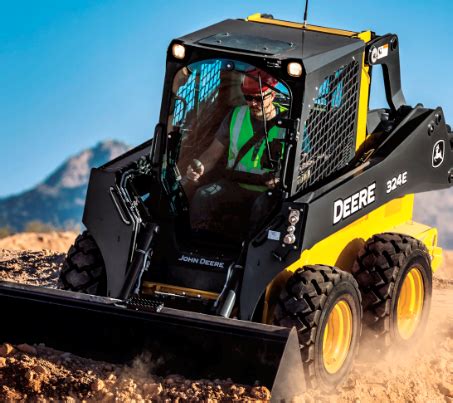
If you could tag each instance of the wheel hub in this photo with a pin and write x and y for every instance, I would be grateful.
(337, 337)
(410, 303)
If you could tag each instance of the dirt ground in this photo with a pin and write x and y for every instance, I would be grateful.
(54, 241)
(424, 373)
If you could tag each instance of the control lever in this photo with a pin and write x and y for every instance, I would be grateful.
(196, 166)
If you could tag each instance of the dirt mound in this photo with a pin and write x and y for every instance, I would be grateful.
(27, 267)
(54, 241)
(29, 372)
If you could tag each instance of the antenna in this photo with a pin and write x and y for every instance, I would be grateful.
(306, 13)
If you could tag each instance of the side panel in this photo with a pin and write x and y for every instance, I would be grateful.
(341, 248)
(405, 164)
(105, 221)
(112, 235)
(377, 189)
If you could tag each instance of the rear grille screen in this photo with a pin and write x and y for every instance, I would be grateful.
(329, 136)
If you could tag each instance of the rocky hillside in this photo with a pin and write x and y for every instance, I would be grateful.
(60, 198)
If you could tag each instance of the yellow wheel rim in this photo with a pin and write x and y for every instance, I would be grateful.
(410, 303)
(337, 337)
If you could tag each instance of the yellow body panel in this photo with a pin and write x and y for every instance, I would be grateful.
(257, 18)
(340, 249)
(365, 85)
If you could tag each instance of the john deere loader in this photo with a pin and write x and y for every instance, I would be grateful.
(266, 222)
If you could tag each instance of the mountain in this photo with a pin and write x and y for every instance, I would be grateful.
(60, 198)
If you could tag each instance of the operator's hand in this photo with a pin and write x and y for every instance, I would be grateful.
(193, 174)
(272, 183)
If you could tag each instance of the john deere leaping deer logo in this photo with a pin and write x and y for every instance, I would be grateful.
(438, 153)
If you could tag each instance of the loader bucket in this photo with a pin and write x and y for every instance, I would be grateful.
(191, 344)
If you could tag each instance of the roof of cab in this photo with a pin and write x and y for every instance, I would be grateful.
(277, 40)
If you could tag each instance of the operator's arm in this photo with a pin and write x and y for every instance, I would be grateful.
(213, 153)
(208, 160)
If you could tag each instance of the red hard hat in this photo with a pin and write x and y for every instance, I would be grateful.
(251, 84)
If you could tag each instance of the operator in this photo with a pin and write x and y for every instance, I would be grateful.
(249, 172)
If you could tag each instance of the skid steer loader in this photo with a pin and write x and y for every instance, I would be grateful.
(269, 217)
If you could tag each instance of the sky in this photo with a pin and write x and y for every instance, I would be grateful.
(76, 72)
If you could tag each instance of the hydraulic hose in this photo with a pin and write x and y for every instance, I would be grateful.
(140, 260)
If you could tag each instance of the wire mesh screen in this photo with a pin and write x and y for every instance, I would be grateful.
(209, 80)
(186, 101)
(329, 132)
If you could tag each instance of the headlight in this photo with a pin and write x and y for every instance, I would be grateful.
(178, 51)
(294, 69)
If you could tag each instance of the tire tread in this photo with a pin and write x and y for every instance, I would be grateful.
(83, 269)
(376, 271)
(310, 287)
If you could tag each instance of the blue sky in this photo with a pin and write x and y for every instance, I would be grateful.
(75, 72)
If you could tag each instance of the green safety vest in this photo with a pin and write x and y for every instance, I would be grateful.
(241, 130)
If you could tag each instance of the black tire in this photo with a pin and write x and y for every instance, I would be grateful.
(83, 269)
(307, 303)
(380, 270)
